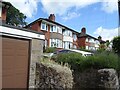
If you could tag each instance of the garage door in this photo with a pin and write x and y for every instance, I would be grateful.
(15, 61)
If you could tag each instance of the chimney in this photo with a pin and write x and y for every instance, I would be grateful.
(99, 38)
(5, 6)
(52, 17)
(83, 30)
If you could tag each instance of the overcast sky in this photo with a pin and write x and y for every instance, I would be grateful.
(100, 17)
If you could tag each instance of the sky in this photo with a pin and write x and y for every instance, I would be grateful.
(99, 17)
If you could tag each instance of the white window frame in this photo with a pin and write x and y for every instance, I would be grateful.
(74, 46)
(54, 28)
(45, 27)
(74, 37)
(56, 43)
(59, 29)
(68, 45)
(87, 40)
(67, 33)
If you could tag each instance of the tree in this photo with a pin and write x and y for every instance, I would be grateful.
(15, 17)
(116, 44)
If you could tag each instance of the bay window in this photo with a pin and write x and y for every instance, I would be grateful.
(67, 33)
(67, 45)
(56, 43)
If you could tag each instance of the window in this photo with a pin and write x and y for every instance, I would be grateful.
(87, 47)
(87, 40)
(67, 45)
(44, 26)
(56, 43)
(74, 46)
(67, 33)
(91, 48)
(74, 37)
(53, 29)
(0, 11)
(59, 29)
(91, 40)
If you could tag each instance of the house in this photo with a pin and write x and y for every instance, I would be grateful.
(88, 42)
(19, 52)
(56, 34)
(61, 36)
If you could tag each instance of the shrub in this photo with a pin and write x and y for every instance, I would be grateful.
(100, 61)
(73, 59)
(116, 44)
(97, 61)
(50, 50)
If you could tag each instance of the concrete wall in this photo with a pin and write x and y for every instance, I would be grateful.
(36, 52)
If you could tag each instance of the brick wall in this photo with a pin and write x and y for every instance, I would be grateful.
(81, 42)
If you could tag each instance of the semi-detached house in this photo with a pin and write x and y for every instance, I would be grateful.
(61, 36)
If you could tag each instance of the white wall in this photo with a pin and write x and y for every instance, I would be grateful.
(20, 33)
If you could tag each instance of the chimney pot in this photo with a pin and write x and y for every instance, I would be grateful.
(83, 30)
(52, 17)
(99, 38)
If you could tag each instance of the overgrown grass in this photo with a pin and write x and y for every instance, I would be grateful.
(98, 61)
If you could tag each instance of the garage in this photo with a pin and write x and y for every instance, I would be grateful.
(15, 62)
(21, 49)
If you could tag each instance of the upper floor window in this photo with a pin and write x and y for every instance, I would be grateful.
(53, 29)
(96, 42)
(59, 29)
(91, 40)
(44, 26)
(67, 33)
(74, 37)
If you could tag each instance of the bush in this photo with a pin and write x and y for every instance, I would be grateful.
(100, 61)
(116, 44)
(97, 61)
(50, 50)
(73, 59)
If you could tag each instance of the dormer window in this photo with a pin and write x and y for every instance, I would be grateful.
(44, 26)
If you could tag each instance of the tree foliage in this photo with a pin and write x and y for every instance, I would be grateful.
(15, 17)
(116, 44)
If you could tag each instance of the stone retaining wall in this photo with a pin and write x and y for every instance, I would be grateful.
(102, 79)
(54, 77)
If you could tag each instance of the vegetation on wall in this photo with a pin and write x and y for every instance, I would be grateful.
(50, 50)
(97, 61)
